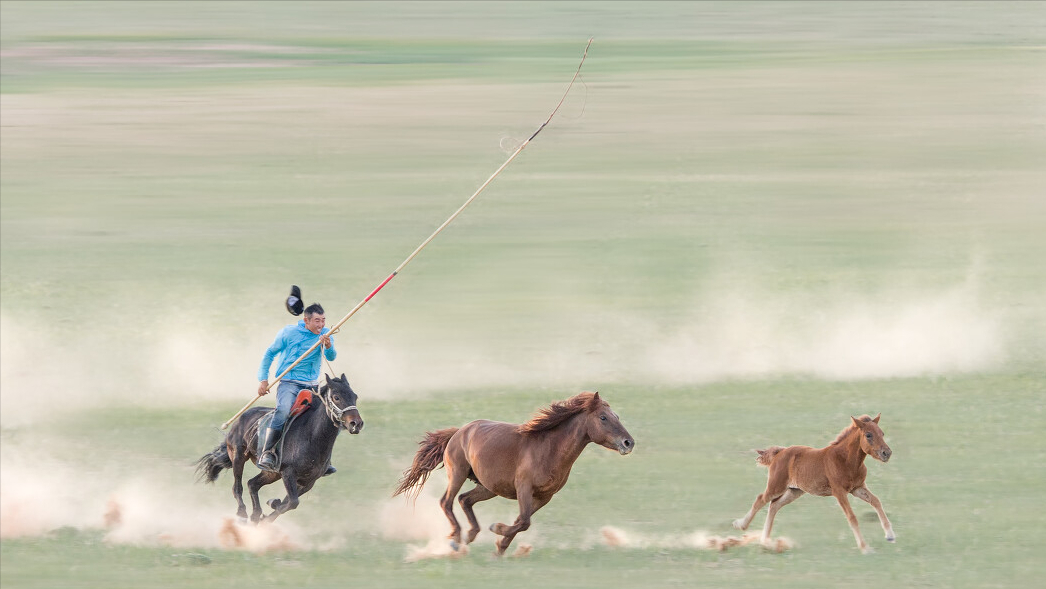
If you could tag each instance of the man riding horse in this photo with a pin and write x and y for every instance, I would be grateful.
(290, 343)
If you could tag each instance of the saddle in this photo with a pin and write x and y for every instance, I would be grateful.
(301, 404)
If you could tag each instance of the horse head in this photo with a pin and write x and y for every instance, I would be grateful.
(342, 404)
(871, 436)
(604, 426)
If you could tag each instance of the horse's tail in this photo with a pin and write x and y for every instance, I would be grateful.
(767, 456)
(428, 458)
(210, 465)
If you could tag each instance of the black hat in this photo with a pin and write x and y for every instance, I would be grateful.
(294, 304)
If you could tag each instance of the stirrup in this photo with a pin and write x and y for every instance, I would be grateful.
(267, 462)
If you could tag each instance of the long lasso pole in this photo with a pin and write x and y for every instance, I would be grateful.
(359, 305)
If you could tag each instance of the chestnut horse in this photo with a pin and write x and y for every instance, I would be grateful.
(836, 470)
(528, 462)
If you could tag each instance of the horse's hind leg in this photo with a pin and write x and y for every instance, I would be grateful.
(776, 485)
(866, 495)
(742, 523)
(467, 500)
(790, 495)
(239, 458)
(457, 471)
(263, 478)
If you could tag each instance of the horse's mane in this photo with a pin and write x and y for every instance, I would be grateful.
(846, 431)
(557, 413)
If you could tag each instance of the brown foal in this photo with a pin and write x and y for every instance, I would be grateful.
(837, 470)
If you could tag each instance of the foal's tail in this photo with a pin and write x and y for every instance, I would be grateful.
(210, 465)
(767, 456)
(428, 458)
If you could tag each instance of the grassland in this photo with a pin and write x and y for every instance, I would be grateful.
(748, 223)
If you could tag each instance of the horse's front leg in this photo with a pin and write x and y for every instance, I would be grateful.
(290, 482)
(239, 458)
(866, 495)
(840, 496)
(528, 505)
(263, 478)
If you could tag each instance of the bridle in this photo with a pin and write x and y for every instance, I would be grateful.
(334, 412)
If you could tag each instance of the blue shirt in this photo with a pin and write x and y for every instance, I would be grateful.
(290, 343)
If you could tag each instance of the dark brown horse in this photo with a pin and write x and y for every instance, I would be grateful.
(528, 462)
(837, 470)
(307, 447)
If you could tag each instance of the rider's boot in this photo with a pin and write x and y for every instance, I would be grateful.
(266, 446)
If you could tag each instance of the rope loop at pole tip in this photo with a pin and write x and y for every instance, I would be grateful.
(338, 325)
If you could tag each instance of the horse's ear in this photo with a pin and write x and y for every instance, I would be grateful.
(328, 377)
(876, 419)
(595, 402)
(343, 377)
(857, 424)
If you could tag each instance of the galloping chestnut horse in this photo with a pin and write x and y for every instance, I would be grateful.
(837, 469)
(307, 447)
(528, 462)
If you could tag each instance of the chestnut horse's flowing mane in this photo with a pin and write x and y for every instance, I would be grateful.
(846, 431)
(557, 413)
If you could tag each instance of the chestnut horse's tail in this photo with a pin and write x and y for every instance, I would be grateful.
(767, 456)
(428, 458)
(211, 464)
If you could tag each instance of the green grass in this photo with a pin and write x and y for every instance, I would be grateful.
(957, 491)
(748, 223)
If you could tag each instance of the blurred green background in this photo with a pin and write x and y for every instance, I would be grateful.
(747, 222)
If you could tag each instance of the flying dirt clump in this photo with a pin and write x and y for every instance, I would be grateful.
(617, 538)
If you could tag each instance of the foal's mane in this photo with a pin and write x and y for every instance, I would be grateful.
(846, 431)
(557, 413)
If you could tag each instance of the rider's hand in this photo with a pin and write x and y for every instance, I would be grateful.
(326, 339)
(263, 388)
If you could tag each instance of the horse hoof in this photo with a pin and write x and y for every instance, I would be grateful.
(737, 524)
(274, 503)
(455, 546)
(867, 550)
(891, 538)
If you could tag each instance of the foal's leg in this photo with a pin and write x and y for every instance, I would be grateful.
(239, 458)
(790, 495)
(866, 495)
(742, 523)
(776, 485)
(528, 504)
(840, 496)
(467, 500)
(265, 477)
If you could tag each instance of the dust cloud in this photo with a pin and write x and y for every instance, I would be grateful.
(892, 333)
(39, 495)
(733, 328)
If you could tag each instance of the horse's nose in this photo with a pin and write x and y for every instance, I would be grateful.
(886, 453)
(627, 445)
